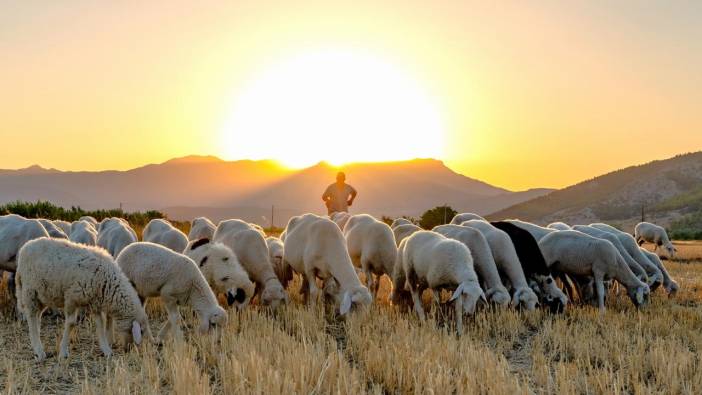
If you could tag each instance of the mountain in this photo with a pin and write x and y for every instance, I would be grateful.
(205, 185)
(667, 190)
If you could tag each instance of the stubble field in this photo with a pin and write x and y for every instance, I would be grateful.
(301, 350)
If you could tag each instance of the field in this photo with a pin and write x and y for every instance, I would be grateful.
(383, 351)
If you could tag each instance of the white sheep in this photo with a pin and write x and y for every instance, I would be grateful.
(161, 232)
(535, 230)
(507, 262)
(402, 231)
(652, 233)
(670, 285)
(340, 218)
(83, 232)
(15, 231)
(371, 245)
(65, 226)
(559, 226)
(655, 277)
(90, 219)
(276, 251)
(53, 230)
(316, 248)
(201, 228)
(614, 239)
(155, 271)
(58, 273)
(222, 270)
(249, 246)
(114, 236)
(107, 223)
(483, 261)
(581, 255)
(400, 221)
(429, 260)
(463, 217)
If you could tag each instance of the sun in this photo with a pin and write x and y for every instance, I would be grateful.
(333, 106)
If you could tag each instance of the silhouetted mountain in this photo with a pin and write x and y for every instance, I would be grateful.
(195, 185)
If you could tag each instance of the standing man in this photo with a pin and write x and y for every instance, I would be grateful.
(339, 195)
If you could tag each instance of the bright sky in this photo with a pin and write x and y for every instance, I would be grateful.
(519, 94)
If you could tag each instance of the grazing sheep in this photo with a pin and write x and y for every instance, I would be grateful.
(222, 271)
(276, 251)
(65, 226)
(483, 262)
(57, 273)
(83, 232)
(576, 253)
(155, 270)
(538, 232)
(429, 260)
(249, 246)
(201, 228)
(558, 226)
(402, 231)
(655, 276)
(90, 219)
(107, 223)
(507, 262)
(372, 247)
(463, 217)
(15, 231)
(161, 232)
(340, 218)
(534, 265)
(53, 230)
(316, 248)
(668, 283)
(400, 221)
(115, 235)
(614, 239)
(652, 233)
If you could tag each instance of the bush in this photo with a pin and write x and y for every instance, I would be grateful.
(688, 227)
(439, 215)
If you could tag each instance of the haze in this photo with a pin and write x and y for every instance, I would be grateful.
(539, 95)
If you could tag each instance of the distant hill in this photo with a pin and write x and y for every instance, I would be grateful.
(192, 186)
(667, 190)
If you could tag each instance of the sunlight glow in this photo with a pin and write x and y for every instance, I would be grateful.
(336, 106)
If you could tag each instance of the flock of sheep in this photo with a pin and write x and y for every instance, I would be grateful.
(102, 269)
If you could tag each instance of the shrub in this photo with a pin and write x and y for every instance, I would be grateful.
(439, 215)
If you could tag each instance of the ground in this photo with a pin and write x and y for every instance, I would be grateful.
(308, 350)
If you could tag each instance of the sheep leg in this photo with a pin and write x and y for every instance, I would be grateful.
(369, 280)
(458, 307)
(71, 320)
(109, 329)
(416, 294)
(312, 288)
(173, 322)
(104, 344)
(599, 284)
(34, 322)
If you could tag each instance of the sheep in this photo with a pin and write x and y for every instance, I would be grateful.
(114, 236)
(404, 230)
(58, 273)
(372, 247)
(483, 261)
(107, 223)
(222, 270)
(670, 285)
(201, 228)
(15, 231)
(538, 232)
(400, 221)
(463, 217)
(430, 260)
(340, 218)
(83, 232)
(316, 248)
(53, 230)
(627, 240)
(90, 219)
(275, 253)
(63, 225)
(161, 232)
(155, 270)
(249, 246)
(652, 233)
(612, 238)
(576, 253)
(534, 265)
(558, 226)
(507, 262)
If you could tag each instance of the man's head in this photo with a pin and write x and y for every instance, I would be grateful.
(340, 177)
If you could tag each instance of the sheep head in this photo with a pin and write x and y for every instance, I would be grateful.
(525, 297)
(216, 316)
(273, 293)
(498, 296)
(359, 296)
(672, 288)
(639, 295)
(471, 295)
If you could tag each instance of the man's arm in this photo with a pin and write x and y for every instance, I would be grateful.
(326, 195)
(353, 195)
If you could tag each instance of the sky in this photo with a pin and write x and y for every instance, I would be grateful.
(518, 94)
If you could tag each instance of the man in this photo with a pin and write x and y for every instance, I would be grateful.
(339, 195)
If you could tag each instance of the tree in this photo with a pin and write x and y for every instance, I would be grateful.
(437, 216)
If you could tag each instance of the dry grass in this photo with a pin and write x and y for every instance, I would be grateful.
(299, 350)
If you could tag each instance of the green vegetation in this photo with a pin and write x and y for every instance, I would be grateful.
(688, 227)
(688, 201)
(437, 216)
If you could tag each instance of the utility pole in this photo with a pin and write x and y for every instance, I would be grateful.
(120, 206)
(272, 213)
(643, 212)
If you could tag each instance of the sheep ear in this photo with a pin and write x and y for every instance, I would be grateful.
(345, 303)
(199, 243)
(136, 332)
(457, 293)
